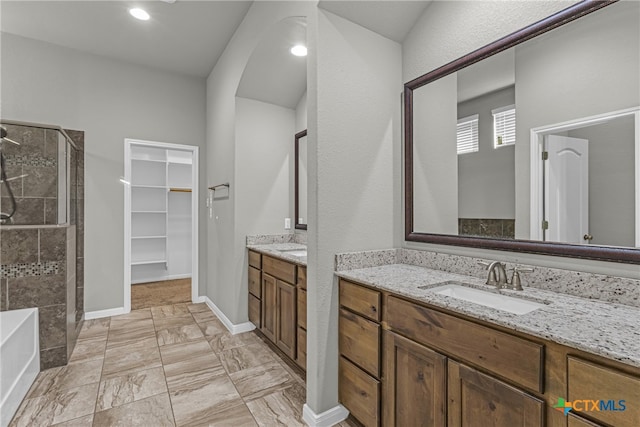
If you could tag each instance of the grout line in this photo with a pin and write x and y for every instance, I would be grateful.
(164, 373)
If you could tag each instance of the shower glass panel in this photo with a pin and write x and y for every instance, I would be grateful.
(41, 176)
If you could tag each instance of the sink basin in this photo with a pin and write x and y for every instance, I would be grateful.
(488, 299)
(295, 252)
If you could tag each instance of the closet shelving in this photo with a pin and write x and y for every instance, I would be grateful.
(160, 210)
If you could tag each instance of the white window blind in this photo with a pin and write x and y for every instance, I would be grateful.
(467, 134)
(504, 126)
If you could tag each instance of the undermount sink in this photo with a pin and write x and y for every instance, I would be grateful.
(295, 252)
(489, 299)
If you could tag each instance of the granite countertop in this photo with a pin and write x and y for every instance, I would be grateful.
(607, 329)
(275, 250)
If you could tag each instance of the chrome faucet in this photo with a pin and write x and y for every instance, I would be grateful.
(497, 276)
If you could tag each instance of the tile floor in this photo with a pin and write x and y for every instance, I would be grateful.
(165, 366)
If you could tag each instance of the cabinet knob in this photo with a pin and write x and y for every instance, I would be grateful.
(587, 237)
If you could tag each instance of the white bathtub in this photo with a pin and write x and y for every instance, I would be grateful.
(19, 358)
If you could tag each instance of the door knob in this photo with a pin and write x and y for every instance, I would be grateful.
(587, 237)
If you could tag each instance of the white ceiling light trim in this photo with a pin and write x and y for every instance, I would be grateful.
(140, 14)
(299, 50)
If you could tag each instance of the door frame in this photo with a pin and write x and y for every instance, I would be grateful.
(126, 180)
(537, 147)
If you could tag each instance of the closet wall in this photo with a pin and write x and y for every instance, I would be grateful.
(161, 183)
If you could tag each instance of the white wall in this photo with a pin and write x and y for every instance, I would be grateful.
(354, 146)
(486, 178)
(301, 124)
(226, 237)
(435, 41)
(110, 101)
(263, 153)
(301, 113)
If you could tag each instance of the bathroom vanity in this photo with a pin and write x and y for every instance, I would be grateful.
(278, 296)
(409, 353)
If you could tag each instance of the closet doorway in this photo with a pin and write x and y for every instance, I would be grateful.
(161, 220)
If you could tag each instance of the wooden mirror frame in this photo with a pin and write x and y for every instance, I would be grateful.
(602, 253)
(299, 135)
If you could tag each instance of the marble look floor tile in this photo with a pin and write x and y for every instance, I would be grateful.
(130, 388)
(213, 328)
(191, 365)
(197, 308)
(195, 403)
(54, 408)
(226, 341)
(77, 374)
(123, 333)
(261, 380)
(234, 413)
(144, 313)
(169, 310)
(95, 328)
(86, 421)
(89, 348)
(153, 411)
(133, 357)
(174, 353)
(282, 408)
(248, 356)
(173, 321)
(43, 383)
(204, 316)
(179, 334)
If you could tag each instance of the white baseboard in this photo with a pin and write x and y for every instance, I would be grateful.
(327, 418)
(234, 329)
(103, 313)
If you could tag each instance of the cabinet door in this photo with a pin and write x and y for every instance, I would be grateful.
(576, 421)
(269, 308)
(414, 384)
(286, 328)
(476, 399)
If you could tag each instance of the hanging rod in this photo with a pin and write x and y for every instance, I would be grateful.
(213, 188)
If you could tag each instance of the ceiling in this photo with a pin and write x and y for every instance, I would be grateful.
(185, 37)
(273, 74)
(392, 19)
(490, 74)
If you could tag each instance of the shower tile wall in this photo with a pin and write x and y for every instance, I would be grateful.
(42, 266)
(36, 158)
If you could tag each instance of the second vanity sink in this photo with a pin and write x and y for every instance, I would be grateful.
(498, 301)
(295, 252)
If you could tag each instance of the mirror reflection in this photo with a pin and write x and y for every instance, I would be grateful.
(539, 142)
(301, 180)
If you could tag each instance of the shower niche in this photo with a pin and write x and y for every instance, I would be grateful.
(42, 231)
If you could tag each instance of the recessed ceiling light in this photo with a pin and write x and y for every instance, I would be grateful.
(299, 50)
(140, 14)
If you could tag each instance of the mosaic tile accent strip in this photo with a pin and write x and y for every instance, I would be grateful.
(30, 160)
(30, 269)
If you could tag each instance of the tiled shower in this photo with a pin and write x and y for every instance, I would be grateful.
(41, 246)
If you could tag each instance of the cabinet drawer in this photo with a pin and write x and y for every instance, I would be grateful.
(589, 381)
(302, 308)
(302, 277)
(362, 300)
(520, 360)
(359, 341)
(279, 269)
(254, 282)
(301, 358)
(254, 311)
(576, 421)
(359, 393)
(255, 260)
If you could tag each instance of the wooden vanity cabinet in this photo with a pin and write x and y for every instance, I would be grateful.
(276, 288)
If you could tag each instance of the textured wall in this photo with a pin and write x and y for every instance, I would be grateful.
(110, 101)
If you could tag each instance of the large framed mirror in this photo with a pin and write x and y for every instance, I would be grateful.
(532, 143)
(301, 180)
